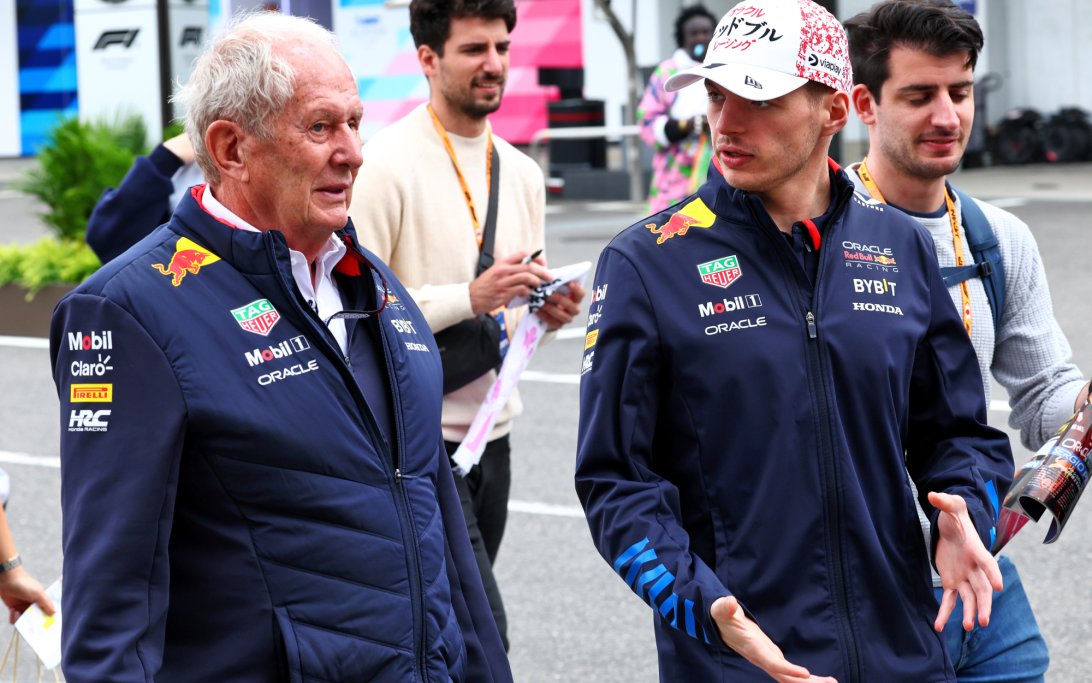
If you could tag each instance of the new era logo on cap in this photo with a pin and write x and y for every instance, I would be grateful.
(774, 46)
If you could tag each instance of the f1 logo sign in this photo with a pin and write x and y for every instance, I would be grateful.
(190, 34)
(123, 37)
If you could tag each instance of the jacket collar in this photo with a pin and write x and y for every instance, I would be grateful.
(741, 206)
(259, 253)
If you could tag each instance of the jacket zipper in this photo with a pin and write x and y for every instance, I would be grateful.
(413, 557)
(392, 461)
(826, 447)
(832, 502)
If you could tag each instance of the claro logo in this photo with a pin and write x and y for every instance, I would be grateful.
(123, 37)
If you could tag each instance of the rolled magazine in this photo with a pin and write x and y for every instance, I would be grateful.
(1051, 481)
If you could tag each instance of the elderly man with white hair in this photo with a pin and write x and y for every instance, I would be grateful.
(254, 483)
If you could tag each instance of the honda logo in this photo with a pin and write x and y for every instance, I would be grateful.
(88, 420)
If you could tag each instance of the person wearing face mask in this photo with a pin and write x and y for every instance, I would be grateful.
(673, 123)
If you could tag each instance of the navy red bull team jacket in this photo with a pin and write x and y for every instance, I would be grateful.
(232, 509)
(744, 431)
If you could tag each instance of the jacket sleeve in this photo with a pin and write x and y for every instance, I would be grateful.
(1032, 358)
(126, 214)
(122, 421)
(487, 661)
(950, 448)
(633, 512)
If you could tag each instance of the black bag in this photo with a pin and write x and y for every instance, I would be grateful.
(471, 348)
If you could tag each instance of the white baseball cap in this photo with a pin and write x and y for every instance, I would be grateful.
(764, 49)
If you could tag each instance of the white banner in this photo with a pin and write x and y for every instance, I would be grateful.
(189, 31)
(11, 144)
(117, 61)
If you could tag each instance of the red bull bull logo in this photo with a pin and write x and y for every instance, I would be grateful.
(188, 257)
(693, 215)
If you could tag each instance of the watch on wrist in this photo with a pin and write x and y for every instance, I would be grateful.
(10, 563)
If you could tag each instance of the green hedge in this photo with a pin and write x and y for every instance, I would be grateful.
(77, 162)
(47, 261)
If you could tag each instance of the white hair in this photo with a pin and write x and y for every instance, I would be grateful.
(243, 78)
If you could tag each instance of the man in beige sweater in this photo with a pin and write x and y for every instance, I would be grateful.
(421, 203)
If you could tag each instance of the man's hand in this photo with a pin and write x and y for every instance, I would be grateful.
(507, 278)
(560, 308)
(20, 590)
(966, 567)
(180, 146)
(745, 637)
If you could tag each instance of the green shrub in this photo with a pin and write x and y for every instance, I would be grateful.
(78, 161)
(174, 129)
(45, 262)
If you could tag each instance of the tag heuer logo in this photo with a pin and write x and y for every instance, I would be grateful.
(258, 316)
(720, 272)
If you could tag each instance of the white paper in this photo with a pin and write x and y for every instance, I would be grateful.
(42, 632)
(521, 348)
(562, 276)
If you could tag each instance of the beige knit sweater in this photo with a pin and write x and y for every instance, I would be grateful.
(409, 209)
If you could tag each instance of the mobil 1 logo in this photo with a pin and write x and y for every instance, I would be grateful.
(284, 349)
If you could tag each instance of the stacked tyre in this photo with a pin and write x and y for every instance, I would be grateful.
(1025, 136)
(1019, 138)
(1067, 136)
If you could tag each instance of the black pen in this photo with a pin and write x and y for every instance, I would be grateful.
(530, 257)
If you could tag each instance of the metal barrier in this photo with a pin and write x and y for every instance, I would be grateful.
(576, 133)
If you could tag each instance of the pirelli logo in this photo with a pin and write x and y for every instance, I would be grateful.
(590, 339)
(92, 393)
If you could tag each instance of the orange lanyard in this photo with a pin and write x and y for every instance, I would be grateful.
(957, 238)
(458, 171)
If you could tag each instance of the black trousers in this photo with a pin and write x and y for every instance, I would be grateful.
(483, 493)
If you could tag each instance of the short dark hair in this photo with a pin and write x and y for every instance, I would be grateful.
(430, 20)
(685, 15)
(816, 91)
(937, 27)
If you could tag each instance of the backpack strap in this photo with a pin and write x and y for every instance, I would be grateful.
(986, 251)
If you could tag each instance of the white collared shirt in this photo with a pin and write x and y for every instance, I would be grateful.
(322, 293)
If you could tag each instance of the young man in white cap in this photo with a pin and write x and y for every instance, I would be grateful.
(766, 363)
